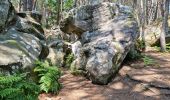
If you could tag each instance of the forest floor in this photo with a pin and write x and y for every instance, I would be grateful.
(134, 82)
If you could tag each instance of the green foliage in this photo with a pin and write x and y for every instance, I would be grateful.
(69, 59)
(48, 77)
(133, 55)
(52, 7)
(148, 61)
(158, 48)
(135, 52)
(75, 71)
(21, 87)
(168, 47)
(18, 87)
(68, 4)
(140, 45)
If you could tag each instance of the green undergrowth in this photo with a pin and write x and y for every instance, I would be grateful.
(69, 60)
(20, 86)
(148, 61)
(71, 65)
(48, 77)
(158, 48)
(75, 71)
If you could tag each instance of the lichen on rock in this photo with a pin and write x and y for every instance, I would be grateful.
(106, 32)
(22, 39)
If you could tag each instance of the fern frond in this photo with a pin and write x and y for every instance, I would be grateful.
(39, 69)
(28, 86)
(18, 87)
(9, 92)
(49, 76)
(9, 79)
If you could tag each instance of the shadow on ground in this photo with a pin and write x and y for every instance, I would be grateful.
(121, 88)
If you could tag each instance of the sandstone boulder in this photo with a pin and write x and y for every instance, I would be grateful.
(6, 13)
(152, 33)
(22, 39)
(106, 32)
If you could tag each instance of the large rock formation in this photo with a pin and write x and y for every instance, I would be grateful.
(59, 45)
(153, 31)
(22, 39)
(107, 32)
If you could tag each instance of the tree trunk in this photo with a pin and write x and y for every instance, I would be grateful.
(58, 11)
(134, 4)
(34, 5)
(24, 5)
(164, 26)
(156, 11)
(19, 5)
(30, 5)
(143, 21)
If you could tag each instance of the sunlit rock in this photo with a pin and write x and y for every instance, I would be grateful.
(107, 32)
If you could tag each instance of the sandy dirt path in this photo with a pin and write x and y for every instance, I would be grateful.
(122, 87)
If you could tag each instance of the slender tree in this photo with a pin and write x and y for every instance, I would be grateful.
(24, 5)
(164, 26)
(58, 11)
(34, 5)
(143, 20)
(30, 5)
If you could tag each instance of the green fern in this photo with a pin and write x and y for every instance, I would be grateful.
(12, 92)
(69, 59)
(48, 77)
(18, 87)
(9, 79)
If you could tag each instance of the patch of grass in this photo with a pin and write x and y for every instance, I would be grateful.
(158, 48)
(148, 61)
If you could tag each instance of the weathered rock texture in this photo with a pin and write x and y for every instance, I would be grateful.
(59, 46)
(107, 32)
(21, 39)
(153, 31)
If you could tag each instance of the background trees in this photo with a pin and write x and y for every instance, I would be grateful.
(149, 11)
(145, 11)
(50, 9)
(164, 25)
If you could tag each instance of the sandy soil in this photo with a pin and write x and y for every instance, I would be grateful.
(122, 87)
